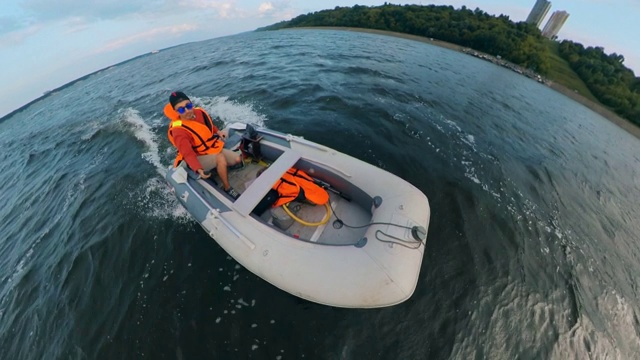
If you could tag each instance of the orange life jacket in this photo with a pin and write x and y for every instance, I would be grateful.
(205, 140)
(289, 185)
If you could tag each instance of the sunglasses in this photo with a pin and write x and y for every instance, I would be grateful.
(182, 109)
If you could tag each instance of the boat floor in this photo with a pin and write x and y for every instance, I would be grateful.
(329, 233)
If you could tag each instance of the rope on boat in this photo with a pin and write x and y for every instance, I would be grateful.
(411, 244)
(322, 222)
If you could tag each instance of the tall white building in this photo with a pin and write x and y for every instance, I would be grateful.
(554, 24)
(539, 11)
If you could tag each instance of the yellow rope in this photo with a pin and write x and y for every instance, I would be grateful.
(286, 208)
(324, 221)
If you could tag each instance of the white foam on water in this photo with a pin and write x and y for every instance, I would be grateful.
(91, 129)
(452, 124)
(156, 199)
(147, 136)
(469, 140)
(468, 146)
(470, 172)
(229, 111)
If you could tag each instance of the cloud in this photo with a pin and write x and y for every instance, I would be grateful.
(225, 9)
(45, 10)
(279, 10)
(265, 8)
(76, 24)
(75, 15)
(146, 36)
(231, 10)
(19, 36)
(9, 24)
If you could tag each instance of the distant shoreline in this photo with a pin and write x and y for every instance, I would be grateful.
(597, 108)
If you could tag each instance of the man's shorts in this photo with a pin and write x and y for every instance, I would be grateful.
(208, 162)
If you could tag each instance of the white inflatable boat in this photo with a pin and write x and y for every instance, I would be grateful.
(363, 249)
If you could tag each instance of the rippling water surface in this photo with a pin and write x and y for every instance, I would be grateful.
(533, 249)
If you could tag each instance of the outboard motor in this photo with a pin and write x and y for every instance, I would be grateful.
(250, 144)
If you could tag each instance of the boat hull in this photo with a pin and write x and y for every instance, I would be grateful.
(375, 266)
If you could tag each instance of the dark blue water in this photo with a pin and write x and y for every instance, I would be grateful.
(533, 249)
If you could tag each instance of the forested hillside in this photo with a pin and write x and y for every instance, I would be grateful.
(609, 80)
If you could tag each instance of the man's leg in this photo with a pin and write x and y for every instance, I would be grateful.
(221, 167)
(208, 162)
(232, 157)
(220, 163)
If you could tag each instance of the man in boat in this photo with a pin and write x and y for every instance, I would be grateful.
(199, 142)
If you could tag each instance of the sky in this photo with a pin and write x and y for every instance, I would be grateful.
(45, 44)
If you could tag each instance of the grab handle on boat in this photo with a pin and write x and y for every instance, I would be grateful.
(297, 139)
(216, 214)
(327, 186)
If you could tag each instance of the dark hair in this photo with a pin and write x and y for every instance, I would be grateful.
(176, 97)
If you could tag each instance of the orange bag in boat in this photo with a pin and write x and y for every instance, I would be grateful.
(295, 184)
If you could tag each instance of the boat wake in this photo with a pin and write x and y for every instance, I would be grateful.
(155, 199)
(145, 133)
(230, 111)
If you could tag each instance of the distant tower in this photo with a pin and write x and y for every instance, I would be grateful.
(539, 11)
(554, 24)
